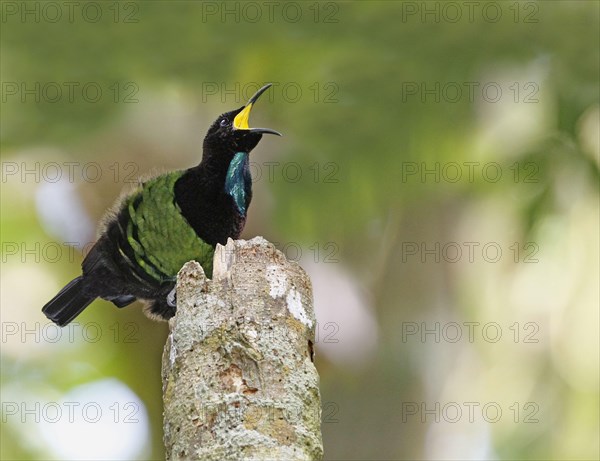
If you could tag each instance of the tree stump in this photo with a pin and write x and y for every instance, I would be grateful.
(238, 375)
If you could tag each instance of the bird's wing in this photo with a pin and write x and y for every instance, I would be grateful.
(159, 235)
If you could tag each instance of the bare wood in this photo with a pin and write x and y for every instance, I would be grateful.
(238, 375)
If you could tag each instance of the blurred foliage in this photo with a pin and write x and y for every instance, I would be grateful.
(369, 132)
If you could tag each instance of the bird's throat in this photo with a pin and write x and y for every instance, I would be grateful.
(238, 181)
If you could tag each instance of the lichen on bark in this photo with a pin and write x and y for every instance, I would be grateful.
(239, 380)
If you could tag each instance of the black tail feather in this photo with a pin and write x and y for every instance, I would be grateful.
(68, 303)
(122, 301)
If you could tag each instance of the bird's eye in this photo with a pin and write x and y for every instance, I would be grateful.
(223, 122)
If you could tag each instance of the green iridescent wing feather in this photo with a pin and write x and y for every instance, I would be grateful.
(161, 238)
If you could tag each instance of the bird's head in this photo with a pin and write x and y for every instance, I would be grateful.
(230, 132)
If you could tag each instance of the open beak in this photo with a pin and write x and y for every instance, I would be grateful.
(240, 122)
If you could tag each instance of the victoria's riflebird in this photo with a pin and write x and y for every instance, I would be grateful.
(167, 221)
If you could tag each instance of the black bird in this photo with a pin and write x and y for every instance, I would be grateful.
(167, 221)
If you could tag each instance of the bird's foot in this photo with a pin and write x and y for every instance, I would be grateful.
(172, 297)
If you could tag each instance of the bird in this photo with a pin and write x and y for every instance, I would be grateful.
(166, 221)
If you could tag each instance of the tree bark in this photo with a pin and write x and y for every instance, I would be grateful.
(238, 375)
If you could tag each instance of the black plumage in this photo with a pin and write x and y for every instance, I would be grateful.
(167, 221)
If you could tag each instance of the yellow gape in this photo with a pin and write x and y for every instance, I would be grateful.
(240, 121)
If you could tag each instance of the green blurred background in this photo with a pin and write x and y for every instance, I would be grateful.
(398, 118)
